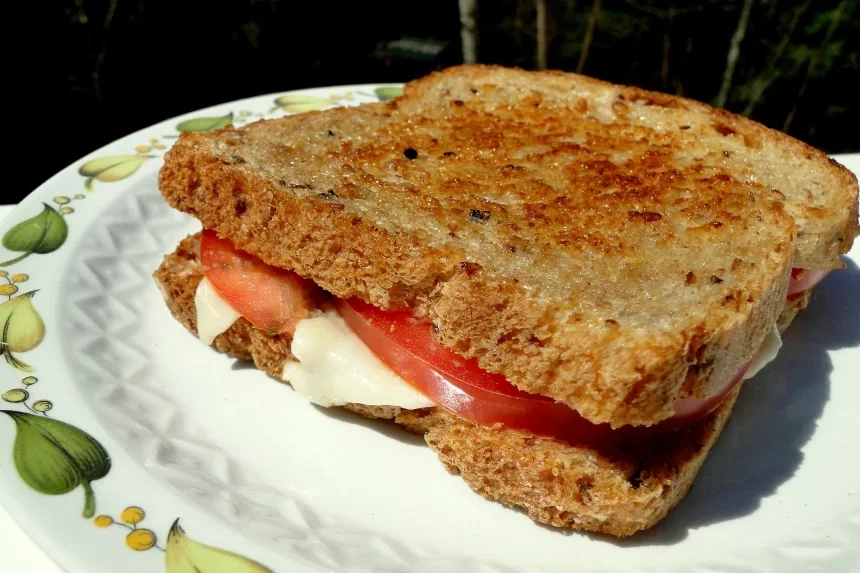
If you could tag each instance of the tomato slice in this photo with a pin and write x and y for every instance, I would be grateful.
(802, 280)
(272, 299)
(689, 410)
(275, 300)
(460, 386)
(416, 338)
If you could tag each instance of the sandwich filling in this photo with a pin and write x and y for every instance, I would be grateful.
(334, 367)
(349, 351)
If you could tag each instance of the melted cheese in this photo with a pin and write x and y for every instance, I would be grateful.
(766, 353)
(214, 314)
(335, 368)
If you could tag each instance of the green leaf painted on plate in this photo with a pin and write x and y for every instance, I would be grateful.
(109, 169)
(21, 329)
(184, 555)
(386, 93)
(44, 233)
(294, 103)
(54, 458)
(205, 123)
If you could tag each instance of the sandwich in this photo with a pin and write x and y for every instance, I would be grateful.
(561, 283)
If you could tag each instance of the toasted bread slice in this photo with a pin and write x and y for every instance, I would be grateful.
(572, 235)
(617, 493)
(820, 194)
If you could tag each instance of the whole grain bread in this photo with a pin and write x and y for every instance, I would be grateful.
(616, 492)
(612, 248)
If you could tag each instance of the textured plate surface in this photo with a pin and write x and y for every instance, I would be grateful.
(248, 466)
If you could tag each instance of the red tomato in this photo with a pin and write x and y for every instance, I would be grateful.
(275, 300)
(802, 280)
(460, 386)
(691, 409)
(272, 299)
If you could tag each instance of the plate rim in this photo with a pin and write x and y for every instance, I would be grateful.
(17, 507)
(57, 549)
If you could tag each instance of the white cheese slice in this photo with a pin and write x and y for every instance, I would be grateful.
(214, 314)
(335, 368)
(766, 353)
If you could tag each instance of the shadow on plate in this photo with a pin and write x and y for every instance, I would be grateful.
(775, 416)
(239, 365)
(385, 427)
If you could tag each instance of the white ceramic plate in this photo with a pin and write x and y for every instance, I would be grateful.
(161, 428)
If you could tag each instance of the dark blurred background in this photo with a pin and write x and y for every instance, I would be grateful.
(80, 73)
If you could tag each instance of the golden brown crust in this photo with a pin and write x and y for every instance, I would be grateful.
(573, 487)
(817, 191)
(617, 493)
(549, 225)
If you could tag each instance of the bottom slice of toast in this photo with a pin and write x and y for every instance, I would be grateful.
(615, 492)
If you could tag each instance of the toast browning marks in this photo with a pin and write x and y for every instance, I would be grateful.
(819, 193)
(564, 486)
(605, 261)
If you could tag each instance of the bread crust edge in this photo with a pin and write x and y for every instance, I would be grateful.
(614, 493)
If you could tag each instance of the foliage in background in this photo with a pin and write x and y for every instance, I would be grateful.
(790, 64)
(85, 72)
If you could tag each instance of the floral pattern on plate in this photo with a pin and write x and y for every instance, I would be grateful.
(56, 458)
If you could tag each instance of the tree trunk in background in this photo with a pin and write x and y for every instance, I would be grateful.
(593, 17)
(813, 63)
(469, 30)
(540, 6)
(770, 73)
(734, 52)
(667, 47)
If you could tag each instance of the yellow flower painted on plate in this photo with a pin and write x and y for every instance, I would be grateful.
(16, 395)
(7, 290)
(140, 539)
(42, 406)
(103, 521)
(20, 278)
(132, 515)
(137, 538)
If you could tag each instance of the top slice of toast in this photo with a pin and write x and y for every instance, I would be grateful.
(612, 248)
